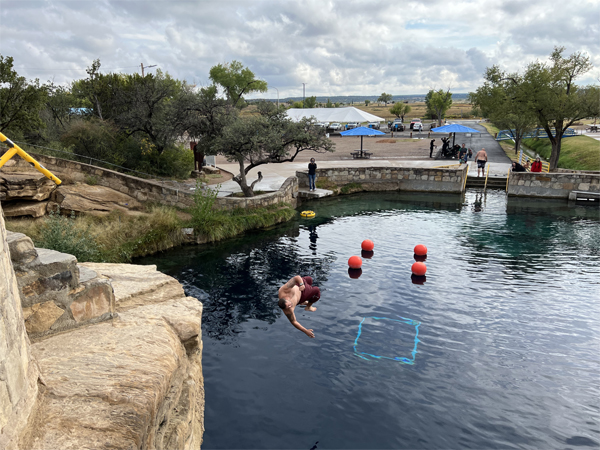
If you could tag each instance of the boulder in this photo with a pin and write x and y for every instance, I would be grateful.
(82, 198)
(26, 208)
(25, 186)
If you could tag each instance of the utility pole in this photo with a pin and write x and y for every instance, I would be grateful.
(303, 93)
(147, 67)
(277, 97)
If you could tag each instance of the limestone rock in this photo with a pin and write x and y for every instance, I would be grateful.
(82, 198)
(129, 384)
(137, 285)
(20, 209)
(40, 317)
(25, 186)
(21, 248)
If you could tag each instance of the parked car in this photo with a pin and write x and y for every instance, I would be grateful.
(412, 123)
(374, 125)
(322, 124)
(417, 126)
(397, 126)
(336, 126)
(351, 125)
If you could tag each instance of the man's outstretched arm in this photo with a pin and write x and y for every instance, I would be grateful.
(292, 318)
(295, 281)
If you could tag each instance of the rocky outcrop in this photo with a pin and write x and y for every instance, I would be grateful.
(56, 293)
(98, 200)
(25, 186)
(133, 383)
(18, 370)
(28, 208)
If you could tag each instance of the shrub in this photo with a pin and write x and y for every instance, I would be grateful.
(202, 211)
(61, 234)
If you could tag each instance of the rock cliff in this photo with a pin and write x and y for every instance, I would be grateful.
(133, 381)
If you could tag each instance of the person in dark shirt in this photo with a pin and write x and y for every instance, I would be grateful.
(312, 174)
(516, 167)
(431, 145)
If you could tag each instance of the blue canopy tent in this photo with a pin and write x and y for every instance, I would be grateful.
(454, 128)
(362, 131)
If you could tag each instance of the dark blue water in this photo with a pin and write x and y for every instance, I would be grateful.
(499, 348)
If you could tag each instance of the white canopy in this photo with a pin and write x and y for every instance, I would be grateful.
(330, 115)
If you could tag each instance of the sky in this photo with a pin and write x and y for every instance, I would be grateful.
(347, 47)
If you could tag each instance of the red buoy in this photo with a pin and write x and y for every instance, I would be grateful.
(420, 250)
(419, 269)
(367, 245)
(355, 262)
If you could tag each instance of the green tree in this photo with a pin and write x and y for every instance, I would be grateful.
(438, 102)
(329, 104)
(367, 102)
(555, 99)
(384, 98)
(298, 105)
(20, 101)
(310, 102)
(400, 110)
(503, 99)
(270, 137)
(237, 81)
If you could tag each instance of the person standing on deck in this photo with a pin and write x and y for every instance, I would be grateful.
(431, 145)
(481, 159)
(312, 174)
(298, 291)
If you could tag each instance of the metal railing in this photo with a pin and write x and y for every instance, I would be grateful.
(507, 178)
(14, 149)
(486, 177)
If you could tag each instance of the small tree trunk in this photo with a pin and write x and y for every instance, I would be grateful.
(242, 181)
(517, 143)
(556, 144)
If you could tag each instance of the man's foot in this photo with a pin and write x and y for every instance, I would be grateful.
(310, 308)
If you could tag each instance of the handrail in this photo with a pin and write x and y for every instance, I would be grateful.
(466, 176)
(486, 177)
(14, 149)
(507, 177)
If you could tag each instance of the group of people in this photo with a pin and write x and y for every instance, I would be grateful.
(536, 166)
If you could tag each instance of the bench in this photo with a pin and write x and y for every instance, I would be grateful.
(357, 154)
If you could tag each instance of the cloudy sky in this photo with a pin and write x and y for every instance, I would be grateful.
(336, 47)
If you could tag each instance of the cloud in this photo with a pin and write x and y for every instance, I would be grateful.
(336, 47)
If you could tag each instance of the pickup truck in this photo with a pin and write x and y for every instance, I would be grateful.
(351, 125)
(374, 125)
(336, 126)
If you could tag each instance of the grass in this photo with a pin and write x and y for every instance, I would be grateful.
(115, 238)
(351, 188)
(577, 153)
(226, 224)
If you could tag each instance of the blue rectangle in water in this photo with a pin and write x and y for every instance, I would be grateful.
(384, 338)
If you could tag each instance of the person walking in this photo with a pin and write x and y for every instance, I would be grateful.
(431, 145)
(312, 174)
(481, 159)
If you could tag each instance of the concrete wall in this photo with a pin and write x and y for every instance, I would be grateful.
(551, 185)
(18, 371)
(393, 178)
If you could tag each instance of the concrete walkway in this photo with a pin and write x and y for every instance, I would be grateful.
(275, 174)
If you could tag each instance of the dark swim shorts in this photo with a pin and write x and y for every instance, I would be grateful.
(310, 294)
(481, 163)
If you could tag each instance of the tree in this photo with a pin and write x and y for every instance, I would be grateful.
(385, 98)
(298, 105)
(438, 102)
(270, 137)
(503, 99)
(237, 81)
(555, 99)
(400, 110)
(329, 104)
(20, 101)
(367, 102)
(310, 102)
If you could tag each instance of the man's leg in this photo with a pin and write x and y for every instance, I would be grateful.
(310, 295)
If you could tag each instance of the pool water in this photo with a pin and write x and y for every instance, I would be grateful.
(499, 348)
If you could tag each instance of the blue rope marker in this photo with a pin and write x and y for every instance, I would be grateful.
(367, 356)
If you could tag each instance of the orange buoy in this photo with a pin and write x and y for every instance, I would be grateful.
(420, 250)
(355, 262)
(367, 245)
(419, 269)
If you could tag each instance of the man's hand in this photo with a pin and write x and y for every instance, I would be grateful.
(301, 287)
(310, 333)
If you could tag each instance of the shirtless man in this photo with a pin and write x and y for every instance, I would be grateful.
(481, 159)
(298, 291)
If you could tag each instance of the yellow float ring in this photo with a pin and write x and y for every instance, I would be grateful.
(309, 214)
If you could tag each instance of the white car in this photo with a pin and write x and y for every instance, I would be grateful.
(336, 126)
(322, 124)
(417, 126)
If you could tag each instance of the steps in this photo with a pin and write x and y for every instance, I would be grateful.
(57, 294)
(492, 182)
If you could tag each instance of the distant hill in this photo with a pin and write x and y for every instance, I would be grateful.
(350, 99)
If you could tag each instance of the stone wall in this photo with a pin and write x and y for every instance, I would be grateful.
(287, 193)
(150, 191)
(138, 188)
(393, 178)
(18, 371)
(551, 185)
